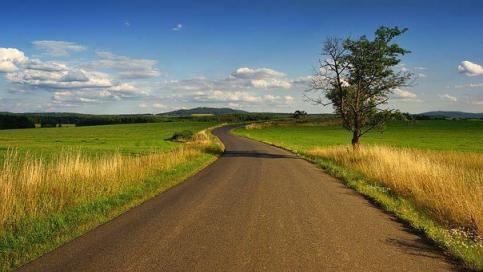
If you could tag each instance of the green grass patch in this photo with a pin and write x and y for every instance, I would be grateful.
(95, 140)
(448, 135)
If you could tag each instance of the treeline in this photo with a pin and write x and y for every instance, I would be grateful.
(58, 119)
(250, 117)
(30, 120)
(10, 121)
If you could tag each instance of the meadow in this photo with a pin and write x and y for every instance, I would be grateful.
(429, 173)
(463, 135)
(57, 183)
(95, 140)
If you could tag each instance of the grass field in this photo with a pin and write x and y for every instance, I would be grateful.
(431, 134)
(430, 173)
(58, 183)
(127, 139)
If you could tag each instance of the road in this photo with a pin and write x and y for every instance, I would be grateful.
(257, 208)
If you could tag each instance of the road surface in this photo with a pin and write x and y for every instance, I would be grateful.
(257, 208)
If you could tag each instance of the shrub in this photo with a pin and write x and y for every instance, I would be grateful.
(182, 136)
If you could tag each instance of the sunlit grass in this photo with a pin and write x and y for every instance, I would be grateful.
(446, 185)
(44, 203)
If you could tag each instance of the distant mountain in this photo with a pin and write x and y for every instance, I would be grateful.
(204, 110)
(452, 114)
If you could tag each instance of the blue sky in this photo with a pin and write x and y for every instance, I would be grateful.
(155, 56)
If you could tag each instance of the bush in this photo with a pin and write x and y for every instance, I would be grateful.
(182, 136)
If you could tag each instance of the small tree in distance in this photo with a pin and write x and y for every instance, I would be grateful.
(299, 114)
(356, 78)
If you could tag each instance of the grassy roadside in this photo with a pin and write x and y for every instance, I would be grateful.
(455, 241)
(36, 233)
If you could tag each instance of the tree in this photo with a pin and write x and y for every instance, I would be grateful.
(298, 114)
(356, 78)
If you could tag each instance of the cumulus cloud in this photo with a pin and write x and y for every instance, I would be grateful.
(260, 73)
(244, 87)
(69, 84)
(113, 77)
(58, 76)
(177, 27)
(264, 78)
(404, 95)
(58, 48)
(447, 97)
(470, 69)
(128, 68)
(10, 58)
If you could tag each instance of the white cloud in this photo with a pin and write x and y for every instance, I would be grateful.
(69, 85)
(470, 69)
(76, 83)
(126, 67)
(127, 24)
(404, 95)
(303, 81)
(158, 106)
(239, 97)
(62, 77)
(257, 73)
(154, 106)
(447, 97)
(270, 83)
(10, 58)
(58, 48)
(177, 27)
(263, 78)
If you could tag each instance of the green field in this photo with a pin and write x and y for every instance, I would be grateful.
(127, 139)
(432, 134)
(44, 205)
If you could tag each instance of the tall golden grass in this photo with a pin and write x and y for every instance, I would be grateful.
(448, 186)
(31, 187)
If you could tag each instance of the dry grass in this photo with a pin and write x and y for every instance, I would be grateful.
(30, 187)
(448, 186)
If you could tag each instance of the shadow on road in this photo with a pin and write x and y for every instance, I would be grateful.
(422, 247)
(255, 154)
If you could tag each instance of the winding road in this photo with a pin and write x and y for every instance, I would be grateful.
(257, 208)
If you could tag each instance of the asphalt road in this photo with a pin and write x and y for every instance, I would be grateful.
(257, 208)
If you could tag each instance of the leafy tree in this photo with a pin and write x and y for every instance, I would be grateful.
(298, 114)
(356, 78)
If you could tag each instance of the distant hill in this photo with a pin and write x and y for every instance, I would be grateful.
(204, 110)
(452, 114)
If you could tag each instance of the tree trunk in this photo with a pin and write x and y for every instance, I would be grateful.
(355, 139)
